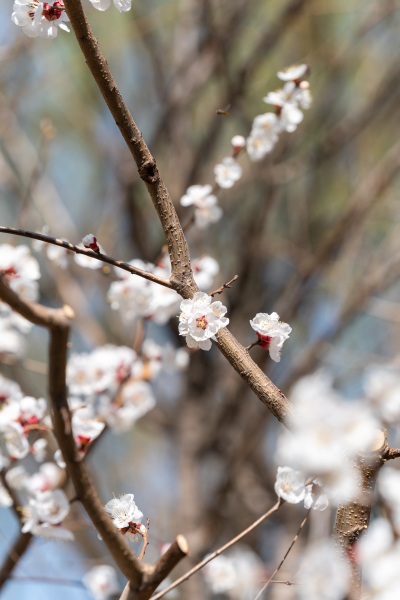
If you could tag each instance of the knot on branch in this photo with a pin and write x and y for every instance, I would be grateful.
(149, 172)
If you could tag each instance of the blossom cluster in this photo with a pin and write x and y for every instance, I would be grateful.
(47, 505)
(135, 297)
(126, 516)
(40, 19)
(200, 320)
(21, 272)
(289, 102)
(331, 433)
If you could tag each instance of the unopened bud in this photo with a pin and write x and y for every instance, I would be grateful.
(238, 142)
(304, 85)
(89, 241)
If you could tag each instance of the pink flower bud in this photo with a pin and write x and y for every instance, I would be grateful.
(238, 142)
(89, 241)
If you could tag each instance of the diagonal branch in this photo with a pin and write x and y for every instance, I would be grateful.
(78, 250)
(213, 555)
(182, 275)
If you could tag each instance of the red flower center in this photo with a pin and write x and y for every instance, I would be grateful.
(202, 322)
(264, 341)
(52, 13)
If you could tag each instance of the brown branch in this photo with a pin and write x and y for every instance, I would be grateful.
(153, 576)
(224, 286)
(19, 547)
(145, 542)
(284, 558)
(257, 343)
(209, 558)
(182, 276)
(87, 252)
(391, 453)
(58, 323)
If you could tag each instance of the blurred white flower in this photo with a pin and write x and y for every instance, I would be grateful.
(58, 255)
(121, 5)
(85, 428)
(314, 497)
(102, 582)
(38, 449)
(289, 485)
(271, 332)
(8, 389)
(293, 72)
(136, 399)
(330, 434)
(382, 387)
(48, 477)
(206, 209)
(227, 172)
(204, 270)
(17, 477)
(88, 262)
(5, 499)
(16, 443)
(200, 320)
(46, 509)
(258, 145)
(20, 270)
(324, 573)
(39, 18)
(237, 573)
(238, 142)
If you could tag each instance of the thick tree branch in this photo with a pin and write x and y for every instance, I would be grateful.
(19, 547)
(182, 275)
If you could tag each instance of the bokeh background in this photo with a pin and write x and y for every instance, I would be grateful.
(312, 231)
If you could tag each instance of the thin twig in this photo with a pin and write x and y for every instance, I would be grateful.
(145, 542)
(78, 250)
(224, 286)
(285, 582)
(209, 558)
(257, 343)
(285, 557)
(391, 453)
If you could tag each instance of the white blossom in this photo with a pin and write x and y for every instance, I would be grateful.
(227, 172)
(85, 428)
(102, 582)
(271, 332)
(8, 389)
(293, 72)
(39, 18)
(124, 511)
(382, 387)
(200, 320)
(289, 485)
(20, 270)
